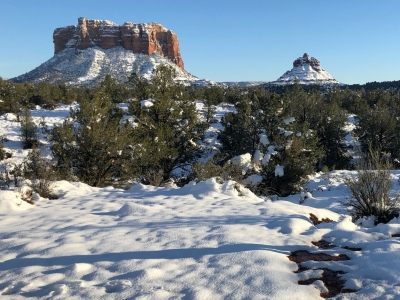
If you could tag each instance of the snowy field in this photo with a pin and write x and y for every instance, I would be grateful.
(203, 241)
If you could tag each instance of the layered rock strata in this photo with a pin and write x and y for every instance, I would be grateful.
(145, 38)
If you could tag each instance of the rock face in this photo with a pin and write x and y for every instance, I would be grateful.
(306, 59)
(306, 70)
(143, 38)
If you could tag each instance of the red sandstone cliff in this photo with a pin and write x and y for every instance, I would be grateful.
(146, 38)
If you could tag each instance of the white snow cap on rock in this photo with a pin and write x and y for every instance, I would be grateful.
(306, 70)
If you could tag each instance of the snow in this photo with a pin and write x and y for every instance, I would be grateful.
(289, 120)
(306, 74)
(279, 171)
(206, 240)
(253, 179)
(146, 103)
(243, 161)
(264, 139)
(267, 156)
(90, 66)
(257, 156)
(202, 241)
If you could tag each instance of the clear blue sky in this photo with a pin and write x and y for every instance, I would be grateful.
(356, 40)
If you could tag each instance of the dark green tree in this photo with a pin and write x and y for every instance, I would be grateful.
(287, 170)
(40, 172)
(117, 92)
(167, 130)
(95, 146)
(378, 129)
(140, 86)
(10, 94)
(214, 95)
(29, 130)
(257, 115)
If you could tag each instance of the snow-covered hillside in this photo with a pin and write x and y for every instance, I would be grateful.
(89, 67)
(206, 240)
(306, 70)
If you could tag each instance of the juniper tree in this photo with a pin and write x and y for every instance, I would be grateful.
(117, 92)
(29, 130)
(378, 129)
(297, 158)
(94, 145)
(9, 97)
(214, 95)
(40, 172)
(140, 87)
(331, 135)
(167, 130)
(259, 114)
(325, 118)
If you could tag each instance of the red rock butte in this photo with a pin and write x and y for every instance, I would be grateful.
(145, 38)
(306, 59)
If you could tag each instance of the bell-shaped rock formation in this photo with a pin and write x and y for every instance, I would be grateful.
(306, 70)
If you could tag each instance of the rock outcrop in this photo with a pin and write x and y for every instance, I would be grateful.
(306, 59)
(144, 38)
(306, 70)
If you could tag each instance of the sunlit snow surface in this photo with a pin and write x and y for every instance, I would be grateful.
(305, 74)
(90, 66)
(202, 241)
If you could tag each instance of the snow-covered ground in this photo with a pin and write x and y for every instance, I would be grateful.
(208, 240)
(202, 241)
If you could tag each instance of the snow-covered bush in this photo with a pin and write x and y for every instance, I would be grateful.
(228, 171)
(166, 130)
(39, 171)
(371, 191)
(25, 193)
(29, 130)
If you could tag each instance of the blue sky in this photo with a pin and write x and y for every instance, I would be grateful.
(356, 41)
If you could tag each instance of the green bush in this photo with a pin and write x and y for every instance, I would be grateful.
(2, 152)
(39, 171)
(29, 130)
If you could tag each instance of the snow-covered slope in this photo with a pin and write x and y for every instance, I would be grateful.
(206, 240)
(202, 241)
(89, 67)
(306, 70)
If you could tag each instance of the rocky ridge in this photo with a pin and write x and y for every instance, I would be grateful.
(306, 70)
(143, 38)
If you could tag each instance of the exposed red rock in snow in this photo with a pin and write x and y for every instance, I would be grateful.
(146, 38)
